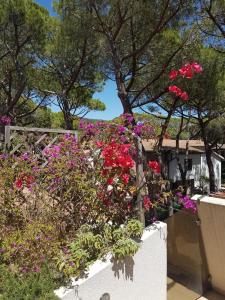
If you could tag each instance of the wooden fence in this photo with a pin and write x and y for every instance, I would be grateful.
(28, 139)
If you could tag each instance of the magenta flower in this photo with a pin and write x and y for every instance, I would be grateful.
(5, 120)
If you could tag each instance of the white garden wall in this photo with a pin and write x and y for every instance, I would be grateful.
(211, 212)
(142, 277)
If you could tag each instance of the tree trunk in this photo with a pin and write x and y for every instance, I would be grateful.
(68, 120)
(140, 177)
(208, 154)
(183, 170)
(162, 134)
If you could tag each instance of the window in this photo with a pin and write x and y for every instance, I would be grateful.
(189, 164)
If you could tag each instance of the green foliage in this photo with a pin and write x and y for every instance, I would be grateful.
(38, 286)
(23, 31)
(92, 243)
(123, 248)
(71, 62)
(134, 229)
(29, 248)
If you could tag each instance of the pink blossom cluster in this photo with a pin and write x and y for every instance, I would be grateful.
(5, 120)
(178, 92)
(186, 201)
(187, 71)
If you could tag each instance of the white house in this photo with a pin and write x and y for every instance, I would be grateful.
(197, 172)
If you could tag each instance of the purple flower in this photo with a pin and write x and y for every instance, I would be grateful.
(128, 117)
(188, 203)
(138, 129)
(5, 120)
(24, 269)
(65, 250)
(2, 250)
(121, 129)
(25, 156)
(37, 238)
(36, 269)
(72, 264)
(123, 139)
(67, 136)
(179, 194)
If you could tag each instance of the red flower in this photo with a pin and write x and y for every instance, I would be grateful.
(184, 96)
(187, 71)
(125, 161)
(196, 67)
(154, 166)
(129, 206)
(19, 184)
(147, 203)
(176, 90)
(116, 155)
(173, 74)
(110, 181)
(125, 178)
(29, 180)
(99, 144)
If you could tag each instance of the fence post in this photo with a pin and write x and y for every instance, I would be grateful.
(7, 138)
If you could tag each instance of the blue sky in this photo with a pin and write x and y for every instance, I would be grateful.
(109, 93)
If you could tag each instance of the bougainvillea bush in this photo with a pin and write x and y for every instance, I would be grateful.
(66, 210)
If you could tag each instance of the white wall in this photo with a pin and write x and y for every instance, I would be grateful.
(211, 212)
(217, 169)
(174, 173)
(142, 277)
(199, 168)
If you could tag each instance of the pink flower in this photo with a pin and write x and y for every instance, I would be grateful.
(186, 71)
(110, 181)
(197, 68)
(36, 269)
(189, 69)
(154, 166)
(176, 90)
(129, 206)
(125, 178)
(5, 120)
(147, 203)
(173, 74)
(19, 184)
(184, 96)
(99, 144)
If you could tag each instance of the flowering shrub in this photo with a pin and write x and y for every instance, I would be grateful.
(27, 250)
(88, 181)
(187, 71)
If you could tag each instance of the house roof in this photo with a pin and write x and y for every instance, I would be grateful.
(194, 145)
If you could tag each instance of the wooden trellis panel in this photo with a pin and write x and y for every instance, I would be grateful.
(34, 140)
